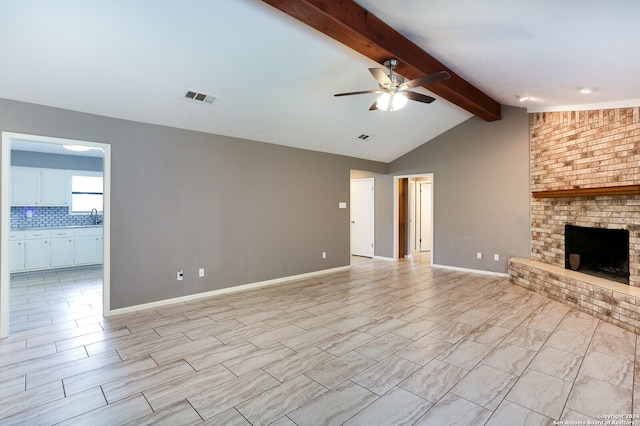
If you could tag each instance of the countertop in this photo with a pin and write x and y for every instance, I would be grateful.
(42, 228)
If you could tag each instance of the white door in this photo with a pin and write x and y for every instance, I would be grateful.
(362, 218)
(425, 216)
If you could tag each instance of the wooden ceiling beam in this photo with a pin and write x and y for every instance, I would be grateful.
(351, 25)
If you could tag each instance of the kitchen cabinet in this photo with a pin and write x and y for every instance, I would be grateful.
(31, 186)
(40, 249)
(50, 248)
(16, 251)
(62, 248)
(37, 250)
(26, 186)
(88, 246)
(55, 187)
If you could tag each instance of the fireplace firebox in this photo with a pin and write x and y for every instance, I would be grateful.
(597, 251)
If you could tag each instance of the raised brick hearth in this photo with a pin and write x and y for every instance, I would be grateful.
(578, 150)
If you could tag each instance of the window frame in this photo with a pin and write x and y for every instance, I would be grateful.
(85, 173)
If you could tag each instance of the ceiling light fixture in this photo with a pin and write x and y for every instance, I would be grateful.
(586, 90)
(391, 101)
(523, 98)
(78, 148)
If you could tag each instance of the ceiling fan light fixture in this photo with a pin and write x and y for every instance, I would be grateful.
(398, 101)
(391, 102)
(383, 102)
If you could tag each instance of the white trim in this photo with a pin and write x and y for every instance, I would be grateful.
(387, 259)
(473, 271)
(587, 107)
(227, 290)
(5, 219)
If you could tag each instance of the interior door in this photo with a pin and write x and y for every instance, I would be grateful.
(362, 217)
(425, 215)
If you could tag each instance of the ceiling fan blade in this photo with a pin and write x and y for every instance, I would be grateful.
(418, 97)
(427, 79)
(362, 92)
(382, 77)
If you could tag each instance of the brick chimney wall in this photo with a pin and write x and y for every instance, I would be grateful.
(584, 149)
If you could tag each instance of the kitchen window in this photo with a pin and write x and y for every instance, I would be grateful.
(86, 193)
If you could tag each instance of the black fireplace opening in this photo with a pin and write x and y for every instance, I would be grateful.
(597, 251)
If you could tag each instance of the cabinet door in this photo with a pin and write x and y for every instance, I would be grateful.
(37, 254)
(26, 186)
(16, 256)
(61, 252)
(88, 250)
(55, 187)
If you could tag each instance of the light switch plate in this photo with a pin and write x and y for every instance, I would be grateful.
(342, 205)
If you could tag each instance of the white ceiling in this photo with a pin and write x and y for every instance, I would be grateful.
(274, 78)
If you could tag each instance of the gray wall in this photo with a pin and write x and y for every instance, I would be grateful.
(245, 211)
(481, 191)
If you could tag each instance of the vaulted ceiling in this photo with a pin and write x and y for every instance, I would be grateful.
(273, 76)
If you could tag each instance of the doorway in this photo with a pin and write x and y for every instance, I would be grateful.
(413, 215)
(5, 217)
(362, 217)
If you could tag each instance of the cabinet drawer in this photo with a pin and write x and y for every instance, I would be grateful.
(61, 233)
(37, 235)
(16, 235)
(89, 232)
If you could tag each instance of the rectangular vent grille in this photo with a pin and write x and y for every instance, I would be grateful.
(199, 97)
(364, 137)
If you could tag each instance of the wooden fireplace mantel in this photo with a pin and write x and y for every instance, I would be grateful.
(602, 191)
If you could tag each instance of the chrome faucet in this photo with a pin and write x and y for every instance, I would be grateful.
(94, 214)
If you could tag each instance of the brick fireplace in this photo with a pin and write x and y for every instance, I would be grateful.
(585, 172)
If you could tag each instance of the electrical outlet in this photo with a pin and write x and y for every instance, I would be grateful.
(201, 272)
(180, 275)
(496, 257)
(324, 254)
(479, 255)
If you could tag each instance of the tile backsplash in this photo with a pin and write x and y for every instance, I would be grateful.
(49, 217)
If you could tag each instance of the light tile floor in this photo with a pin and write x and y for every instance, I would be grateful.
(383, 343)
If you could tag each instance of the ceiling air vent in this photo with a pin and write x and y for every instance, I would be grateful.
(364, 137)
(199, 97)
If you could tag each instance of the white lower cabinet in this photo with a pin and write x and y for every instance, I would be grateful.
(88, 250)
(55, 248)
(37, 250)
(61, 252)
(16, 251)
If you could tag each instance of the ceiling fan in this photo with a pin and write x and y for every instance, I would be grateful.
(394, 89)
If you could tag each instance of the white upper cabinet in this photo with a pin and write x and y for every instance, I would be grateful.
(55, 187)
(31, 186)
(26, 186)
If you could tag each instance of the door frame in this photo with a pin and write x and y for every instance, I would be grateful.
(396, 210)
(5, 219)
(430, 198)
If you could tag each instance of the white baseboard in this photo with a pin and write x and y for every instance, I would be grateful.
(473, 271)
(227, 290)
(388, 259)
